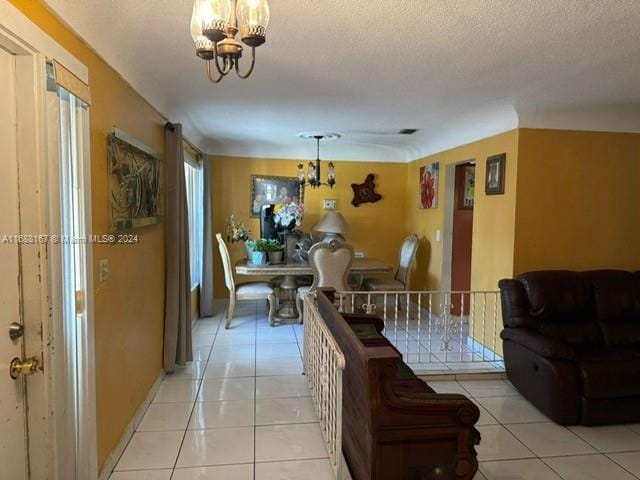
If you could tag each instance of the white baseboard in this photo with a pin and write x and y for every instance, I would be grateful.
(114, 456)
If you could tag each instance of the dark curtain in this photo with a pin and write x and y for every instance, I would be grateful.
(177, 311)
(206, 283)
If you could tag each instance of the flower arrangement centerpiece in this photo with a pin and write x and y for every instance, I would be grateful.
(236, 231)
(288, 216)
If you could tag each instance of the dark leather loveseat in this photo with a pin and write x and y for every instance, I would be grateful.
(395, 427)
(572, 343)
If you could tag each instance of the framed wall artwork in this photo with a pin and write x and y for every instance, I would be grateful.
(496, 166)
(429, 176)
(135, 189)
(467, 188)
(269, 190)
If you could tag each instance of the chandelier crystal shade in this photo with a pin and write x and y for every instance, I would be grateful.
(313, 178)
(214, 26)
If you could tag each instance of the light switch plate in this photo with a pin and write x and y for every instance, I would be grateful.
(104, 269)
(438, 235)
(329, 204)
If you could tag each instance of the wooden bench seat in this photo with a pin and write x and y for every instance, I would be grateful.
(395, 427)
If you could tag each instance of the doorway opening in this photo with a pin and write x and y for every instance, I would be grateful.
(458, 233)
(462, 238)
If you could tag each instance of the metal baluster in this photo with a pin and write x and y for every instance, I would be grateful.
(430, 321)
(407, 328)
(461, 327)
(495, 325)
(420, 327)
(395, 321)
(384, 318)
(472, 322)
(484, 323)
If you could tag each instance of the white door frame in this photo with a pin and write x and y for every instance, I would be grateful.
(38, 157)
(447, 234)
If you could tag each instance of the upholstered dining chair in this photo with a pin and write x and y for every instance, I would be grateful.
(400, 281)
(243, 291)
(330, 263)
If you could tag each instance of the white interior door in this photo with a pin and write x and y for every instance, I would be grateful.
(13, 439)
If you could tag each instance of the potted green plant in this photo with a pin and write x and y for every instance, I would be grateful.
(258, 251)
(275, 251)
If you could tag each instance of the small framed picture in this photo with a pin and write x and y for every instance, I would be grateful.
(496, 165)
(465, 185)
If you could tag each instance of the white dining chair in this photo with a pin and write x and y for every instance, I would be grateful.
(330, 263)
(243, 291)
(400, 282)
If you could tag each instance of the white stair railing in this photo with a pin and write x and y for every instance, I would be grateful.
(323, 366)
(436, 329)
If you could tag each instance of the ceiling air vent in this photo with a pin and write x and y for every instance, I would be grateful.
(407, 131)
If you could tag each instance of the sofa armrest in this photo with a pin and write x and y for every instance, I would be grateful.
(538, 343)
(430, 408)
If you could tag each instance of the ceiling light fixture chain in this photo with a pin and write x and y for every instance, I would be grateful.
(314, 175)
(214, 26)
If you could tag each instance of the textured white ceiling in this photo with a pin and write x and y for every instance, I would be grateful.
(456, 69)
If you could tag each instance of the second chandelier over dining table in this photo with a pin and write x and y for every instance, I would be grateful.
(313, 177)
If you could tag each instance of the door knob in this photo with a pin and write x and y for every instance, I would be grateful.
(26, 367)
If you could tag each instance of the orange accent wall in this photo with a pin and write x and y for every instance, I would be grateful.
(129, 306)
(578, 200)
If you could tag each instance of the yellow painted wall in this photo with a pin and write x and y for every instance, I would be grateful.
(129, 306)
(577, 205)
(493, 216)
(377, 229)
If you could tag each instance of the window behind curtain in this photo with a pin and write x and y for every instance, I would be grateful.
(193, 180)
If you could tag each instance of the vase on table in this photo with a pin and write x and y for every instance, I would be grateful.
(258, 258)
(275, 257)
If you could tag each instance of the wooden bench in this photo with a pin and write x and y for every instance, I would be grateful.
(395, 427)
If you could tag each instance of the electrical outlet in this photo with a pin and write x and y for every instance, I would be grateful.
(358, 254)
(104, 270)
(329, 204)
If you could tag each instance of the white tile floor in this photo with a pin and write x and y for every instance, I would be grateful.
(243, 412)
(519, 443)
(240, 411)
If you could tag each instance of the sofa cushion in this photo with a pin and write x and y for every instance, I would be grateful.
(616, 294)
(558, 295)
(617, 297)
(365, 331)
(563, 303)
(610, 373)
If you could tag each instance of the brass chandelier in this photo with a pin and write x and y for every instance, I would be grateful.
(214, 25)
(313, 178)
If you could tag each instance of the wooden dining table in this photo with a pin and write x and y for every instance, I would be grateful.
(287, 310)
